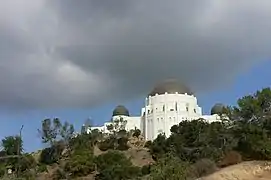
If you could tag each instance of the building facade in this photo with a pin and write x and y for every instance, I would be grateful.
(166, 105)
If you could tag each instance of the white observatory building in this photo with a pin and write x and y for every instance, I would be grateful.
(166, 105)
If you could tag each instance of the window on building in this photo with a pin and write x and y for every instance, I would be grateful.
(163, 107)
(171, 109)
(176, 106)
(187, 107)
(195, 111)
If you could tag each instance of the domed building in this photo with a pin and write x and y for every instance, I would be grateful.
(120, 110)
(218, 108)
(169, 103)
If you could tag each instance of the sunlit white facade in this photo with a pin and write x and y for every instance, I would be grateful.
(161, 111)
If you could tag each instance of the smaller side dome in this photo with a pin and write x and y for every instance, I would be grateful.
(218, 109)
(121, 110)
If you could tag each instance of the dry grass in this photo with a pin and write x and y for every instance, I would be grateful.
(250, 170)
(231, 158)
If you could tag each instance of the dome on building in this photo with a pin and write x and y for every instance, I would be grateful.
(218, 109)
(171, 87)
(121, 111)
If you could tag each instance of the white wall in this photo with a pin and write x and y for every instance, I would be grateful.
(132, 122)
(164, 111)
(161, 112)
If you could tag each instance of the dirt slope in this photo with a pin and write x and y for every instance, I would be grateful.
(250, 170)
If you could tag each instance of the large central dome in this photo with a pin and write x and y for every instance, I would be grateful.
(171, 87)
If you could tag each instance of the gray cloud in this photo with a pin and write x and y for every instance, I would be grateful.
(70, 53)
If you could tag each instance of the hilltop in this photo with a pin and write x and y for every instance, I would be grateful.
(238, 147)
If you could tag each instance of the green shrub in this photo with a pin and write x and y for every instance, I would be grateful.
(122, 144)
(2, 169)
(27, 162)
(107, 144)
(80, 163)
(52, 154)
(169, 167)
(114, 165)
(146, 169)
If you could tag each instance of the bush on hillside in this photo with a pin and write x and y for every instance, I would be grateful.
(146, 169)
(122, 144)
(81, 163)
(114, 143)
(114, 165)
(230, 158)
(169, 167)
(107, 144)
(51, 154)
(81, 141)
(202, 168)
(27, 162)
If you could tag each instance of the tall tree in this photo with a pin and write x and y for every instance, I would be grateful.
(66, 131)
(255, 107)
(50, 130)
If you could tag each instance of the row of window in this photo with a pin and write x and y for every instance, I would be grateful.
(187, 110)
(170, 118)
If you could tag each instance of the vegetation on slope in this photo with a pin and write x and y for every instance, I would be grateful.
(194, 149)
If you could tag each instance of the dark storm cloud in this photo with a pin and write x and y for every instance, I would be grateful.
(81, 53)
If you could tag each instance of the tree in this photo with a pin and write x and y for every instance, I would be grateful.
(49, 131)
(114, 165)
(14, 157)
(82, 141)
(52, 154)
(169, 167)
(110, 127)
(255, 107)
(252, 125)
(53, 130)
(137, 133)
(80, 163)
(13, 148)
(58, 135)
(66, 131)
(11, 145)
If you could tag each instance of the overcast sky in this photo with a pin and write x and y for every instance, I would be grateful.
(67, 53)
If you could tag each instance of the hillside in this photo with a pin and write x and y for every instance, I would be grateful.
(138, 156)
(237, 148)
